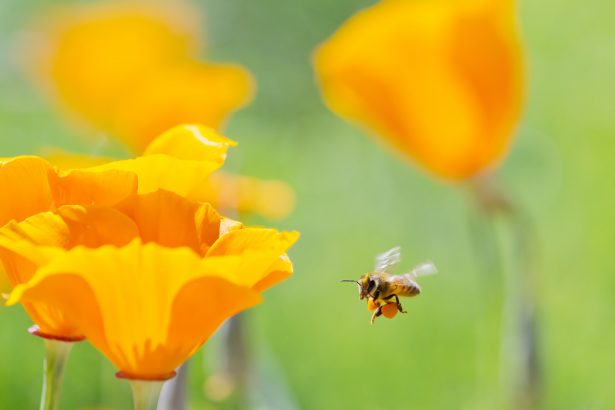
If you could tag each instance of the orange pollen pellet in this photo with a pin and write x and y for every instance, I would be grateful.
(371, 305)
(389, 310)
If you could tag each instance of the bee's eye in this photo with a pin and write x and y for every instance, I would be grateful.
(371, 285)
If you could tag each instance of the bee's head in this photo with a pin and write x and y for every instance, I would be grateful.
(367, 284)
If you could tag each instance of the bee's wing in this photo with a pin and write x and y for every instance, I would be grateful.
(387, 261)
(423, 269)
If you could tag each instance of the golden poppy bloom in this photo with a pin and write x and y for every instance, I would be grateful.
(130, 69)
(146, 281)
(440, 80)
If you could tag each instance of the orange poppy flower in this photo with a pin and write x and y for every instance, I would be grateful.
(129, 69)
(146, 281)
(440, 80)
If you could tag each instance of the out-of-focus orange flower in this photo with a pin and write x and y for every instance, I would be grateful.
(269, 198)
(186, 92)
(440, 80)
(146, 281)
(129, 69)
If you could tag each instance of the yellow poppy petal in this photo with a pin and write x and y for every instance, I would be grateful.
(64, 159)
(95, 187)
(157, 171)
(280, 270)
(126, 301)
(33, 242)
(96, 226)
(35, 186)
(43, 229)
(190, 311)
(262, 252)
(172, 221)
(5, 283)
(183, 93)
(19, 269)
(178, 161)
(27, 181)
(191, 142)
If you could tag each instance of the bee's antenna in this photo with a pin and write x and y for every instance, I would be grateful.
(350, 280)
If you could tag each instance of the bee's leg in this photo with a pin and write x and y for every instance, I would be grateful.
(377, 313)
(401, 309)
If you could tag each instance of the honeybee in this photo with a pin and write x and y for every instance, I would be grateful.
(381, 287)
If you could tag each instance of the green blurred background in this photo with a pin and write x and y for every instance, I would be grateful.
(311, 337)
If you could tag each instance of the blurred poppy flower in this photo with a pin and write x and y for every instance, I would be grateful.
(440, 80)
(146, 281)
(129, 69)
(225, 191)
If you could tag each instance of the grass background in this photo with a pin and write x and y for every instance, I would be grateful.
(356, 198)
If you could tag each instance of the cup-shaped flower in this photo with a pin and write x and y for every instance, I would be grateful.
(440, 80)
(130, 70)
(146, 281)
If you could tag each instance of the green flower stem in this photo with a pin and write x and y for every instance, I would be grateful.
(521, 310)
(145, 393)
(56, 356)
(488, 306)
